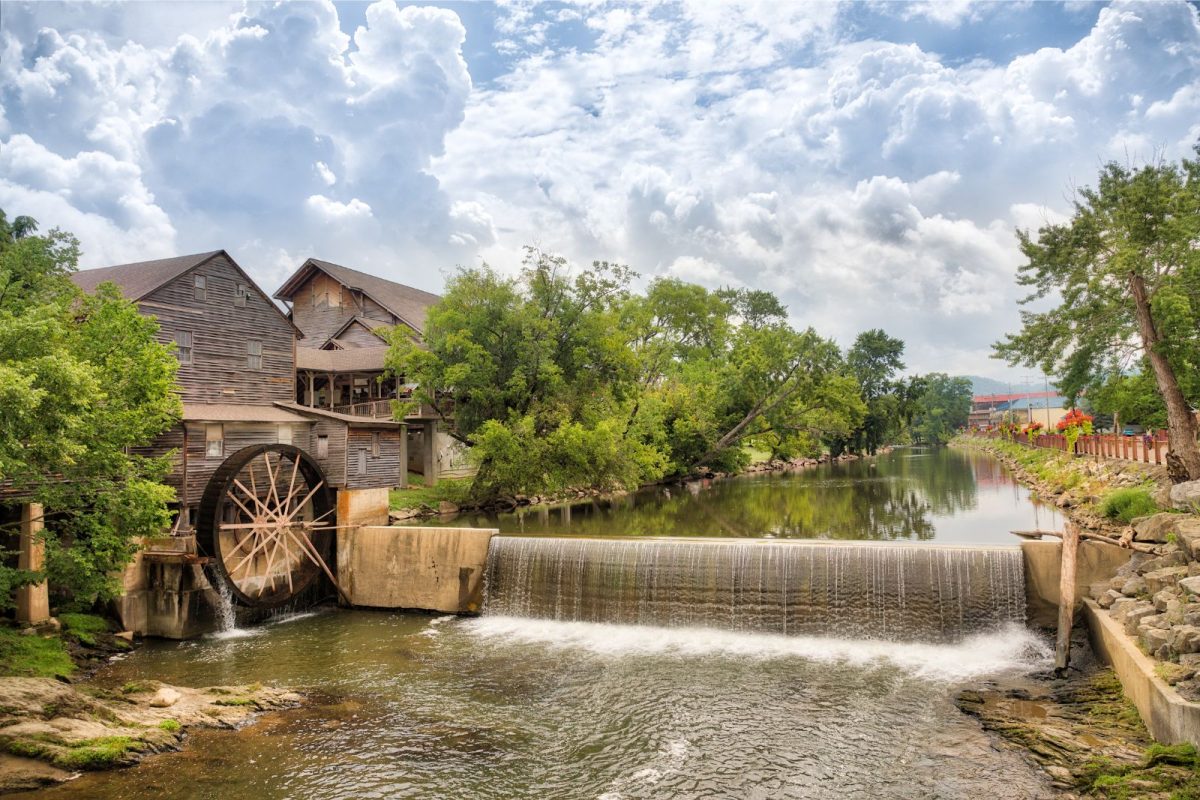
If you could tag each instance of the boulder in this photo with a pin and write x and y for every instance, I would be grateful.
(1108, 598)
(1185, 639)
(1190, 586)
(1166, 600)
(1121, 606)
(1153, 639)
(165, 698)
(446, 507)
(1186, 496)
(1189, 661)
(1160, 579)
(1174, 558)
(1154, 528)
(1135, 614)
(1134, 586)
(1187, 535)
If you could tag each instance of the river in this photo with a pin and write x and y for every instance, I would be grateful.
(909, 494)
(527, 706)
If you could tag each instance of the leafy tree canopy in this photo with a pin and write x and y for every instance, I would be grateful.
(83, 381)
(1120, 282)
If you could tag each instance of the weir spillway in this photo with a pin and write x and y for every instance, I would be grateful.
(859, 590)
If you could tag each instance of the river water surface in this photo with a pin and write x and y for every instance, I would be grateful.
(909, 494)
(411, 705)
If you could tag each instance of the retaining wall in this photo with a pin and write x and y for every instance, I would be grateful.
(434, 569)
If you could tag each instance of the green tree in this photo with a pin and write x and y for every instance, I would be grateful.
(541, 375)
(1123, 280)
(873, 360)
(83, 383)
(943, 408)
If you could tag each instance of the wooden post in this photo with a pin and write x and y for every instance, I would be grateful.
(403, 457)
(33, 601)
(429, 452)
(312, 389)
(1157, 449)
(329, 380)
(1066, 597)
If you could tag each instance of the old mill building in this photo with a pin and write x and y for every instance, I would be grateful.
(311, 376)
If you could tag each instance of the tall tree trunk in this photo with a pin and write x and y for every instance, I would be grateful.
(1181, 425)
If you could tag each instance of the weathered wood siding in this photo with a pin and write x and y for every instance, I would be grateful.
(322, 305)
(357, 335)
(382, 470)
(218, 372)
(334, 463)
(237, 435)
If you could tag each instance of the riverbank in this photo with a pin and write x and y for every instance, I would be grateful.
(452, 495)
(52, 731)
(1083, 733)
(1101, 496)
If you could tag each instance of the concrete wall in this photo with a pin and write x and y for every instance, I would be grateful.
(1095, 561)
(434, 569)
(1170, 718)
(362, 506)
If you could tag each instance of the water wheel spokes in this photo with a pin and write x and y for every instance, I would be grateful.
(258, 520)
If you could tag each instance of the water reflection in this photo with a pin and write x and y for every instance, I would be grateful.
(910, 494)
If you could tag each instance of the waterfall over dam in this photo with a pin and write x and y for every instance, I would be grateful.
(859, 590)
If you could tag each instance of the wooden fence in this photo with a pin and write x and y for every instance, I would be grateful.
(1149, 448)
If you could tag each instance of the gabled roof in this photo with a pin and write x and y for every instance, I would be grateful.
(407, 303)
(142, 278)
(373, 325)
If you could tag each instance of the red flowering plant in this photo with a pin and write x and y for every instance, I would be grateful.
(1032, 430)
(1073, 425)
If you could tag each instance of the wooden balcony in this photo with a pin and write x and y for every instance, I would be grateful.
(382, 409)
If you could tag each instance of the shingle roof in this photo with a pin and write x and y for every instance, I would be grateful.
(228, 412)
(373, 325)
(407, 303)
(361, 359)
(140, 278)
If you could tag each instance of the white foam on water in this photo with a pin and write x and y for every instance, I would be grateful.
(236, 633)
(1011, 648)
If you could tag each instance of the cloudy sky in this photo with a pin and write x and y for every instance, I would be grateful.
(868, 162)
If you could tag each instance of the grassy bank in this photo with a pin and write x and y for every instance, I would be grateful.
(417, 495)
(84, 638)
(1114, 492)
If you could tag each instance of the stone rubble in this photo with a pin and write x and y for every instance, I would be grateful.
(1156, 597)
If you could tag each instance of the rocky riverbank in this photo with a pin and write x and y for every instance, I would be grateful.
(51, 731)
(1082, 731)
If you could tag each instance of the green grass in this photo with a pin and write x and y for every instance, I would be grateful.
(83, 627)
(170, 726)
(757, 456)
(102, 753)
(1165, 771)
(235, 701)
(33, 656)
(1127, 504)
(454, 490)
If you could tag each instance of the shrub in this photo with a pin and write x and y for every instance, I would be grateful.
(1127, 504)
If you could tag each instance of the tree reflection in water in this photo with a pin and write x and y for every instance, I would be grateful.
(902, 495)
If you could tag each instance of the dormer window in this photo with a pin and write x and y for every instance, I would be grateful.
(240, 295)
(200, 284)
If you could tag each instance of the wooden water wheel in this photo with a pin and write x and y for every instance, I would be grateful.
(266, 524)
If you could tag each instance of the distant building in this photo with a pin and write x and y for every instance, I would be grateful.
(989, 409)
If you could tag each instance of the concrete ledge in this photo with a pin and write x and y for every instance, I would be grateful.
(433, 569)
(1095, 561)
(1170, 718)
